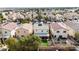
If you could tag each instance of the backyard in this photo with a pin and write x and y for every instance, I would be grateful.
(44, 43)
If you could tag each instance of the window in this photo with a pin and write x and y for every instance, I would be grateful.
(41, 30)
(5, 38)
(22, 35)
(75, 18)
(60, 36)
(24, 31)
(64, 31)
(58, 31)
(5, 32)
(55, 36)
(39, 24)
(47, 31)
(44, 13)
(70, 19)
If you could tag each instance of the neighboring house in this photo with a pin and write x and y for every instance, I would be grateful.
(73, 25)
(41, 29)
(7, 30)
(59, 17)
(71, 16)
(47, 13)
(24, 30)
(59, 29)
(12, 15)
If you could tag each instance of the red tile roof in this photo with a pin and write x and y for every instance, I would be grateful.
(8, 26)
(57, 25)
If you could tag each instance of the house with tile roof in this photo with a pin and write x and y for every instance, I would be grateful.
(73, 25)
(24, 30)
(60, 30)
(7, 30)
(71, 16)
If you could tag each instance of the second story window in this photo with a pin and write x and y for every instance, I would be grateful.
(58, 31)
(70, 19)
(64, 31)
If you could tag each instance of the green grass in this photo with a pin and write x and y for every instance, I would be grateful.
(44, 43)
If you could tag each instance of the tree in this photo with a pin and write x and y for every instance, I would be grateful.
(46, 18)
(12, 42)
(27, 43)
(1, 44)
(2, 18)
(33, 42)
(77, 35)
(24, 20)
(21, 46)
(39, 15)
(77, 11)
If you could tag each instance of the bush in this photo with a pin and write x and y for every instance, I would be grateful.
(77, 35)
(24, 20)
(27, 43)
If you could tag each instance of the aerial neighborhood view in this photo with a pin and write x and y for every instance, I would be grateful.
(39, 29)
